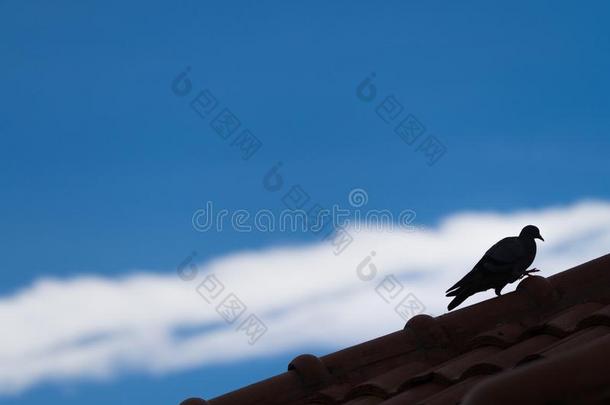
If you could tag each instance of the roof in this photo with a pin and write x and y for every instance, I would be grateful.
(546, 342)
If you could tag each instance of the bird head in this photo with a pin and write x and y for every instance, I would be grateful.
(531, 231)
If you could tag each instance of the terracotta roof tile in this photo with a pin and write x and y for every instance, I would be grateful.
(453, 369)
(567, 321)
(569, 377)
(576, 340)
(550, 338)
(520, 352)
(367, 390)
(332, 394)
(502, 336)
(416, 394)
(453, 394)
(366, 400)
(391, 381)
(600, 317)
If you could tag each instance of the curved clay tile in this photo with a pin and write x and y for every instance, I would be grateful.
(566, 378)
(547, 341)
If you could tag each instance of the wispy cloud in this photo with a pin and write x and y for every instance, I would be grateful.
(97, 327)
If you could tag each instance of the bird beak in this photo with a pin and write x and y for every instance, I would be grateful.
(541, 238)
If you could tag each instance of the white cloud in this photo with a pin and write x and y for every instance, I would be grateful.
(96, 327)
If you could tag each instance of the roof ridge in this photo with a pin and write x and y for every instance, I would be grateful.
(433, 340)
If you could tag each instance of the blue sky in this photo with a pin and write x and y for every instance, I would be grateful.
(102, 165)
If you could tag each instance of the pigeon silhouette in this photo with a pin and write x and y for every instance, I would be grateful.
(505, 262)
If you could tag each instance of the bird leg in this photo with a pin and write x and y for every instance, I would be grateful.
(528, 272)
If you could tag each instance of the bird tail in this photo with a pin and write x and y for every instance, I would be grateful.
(459, 298)
(463, 281)
(454, 287)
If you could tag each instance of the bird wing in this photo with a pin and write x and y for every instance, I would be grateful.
(499, 258)
(506, 252)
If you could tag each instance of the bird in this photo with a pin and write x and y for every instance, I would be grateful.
(505, 262)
